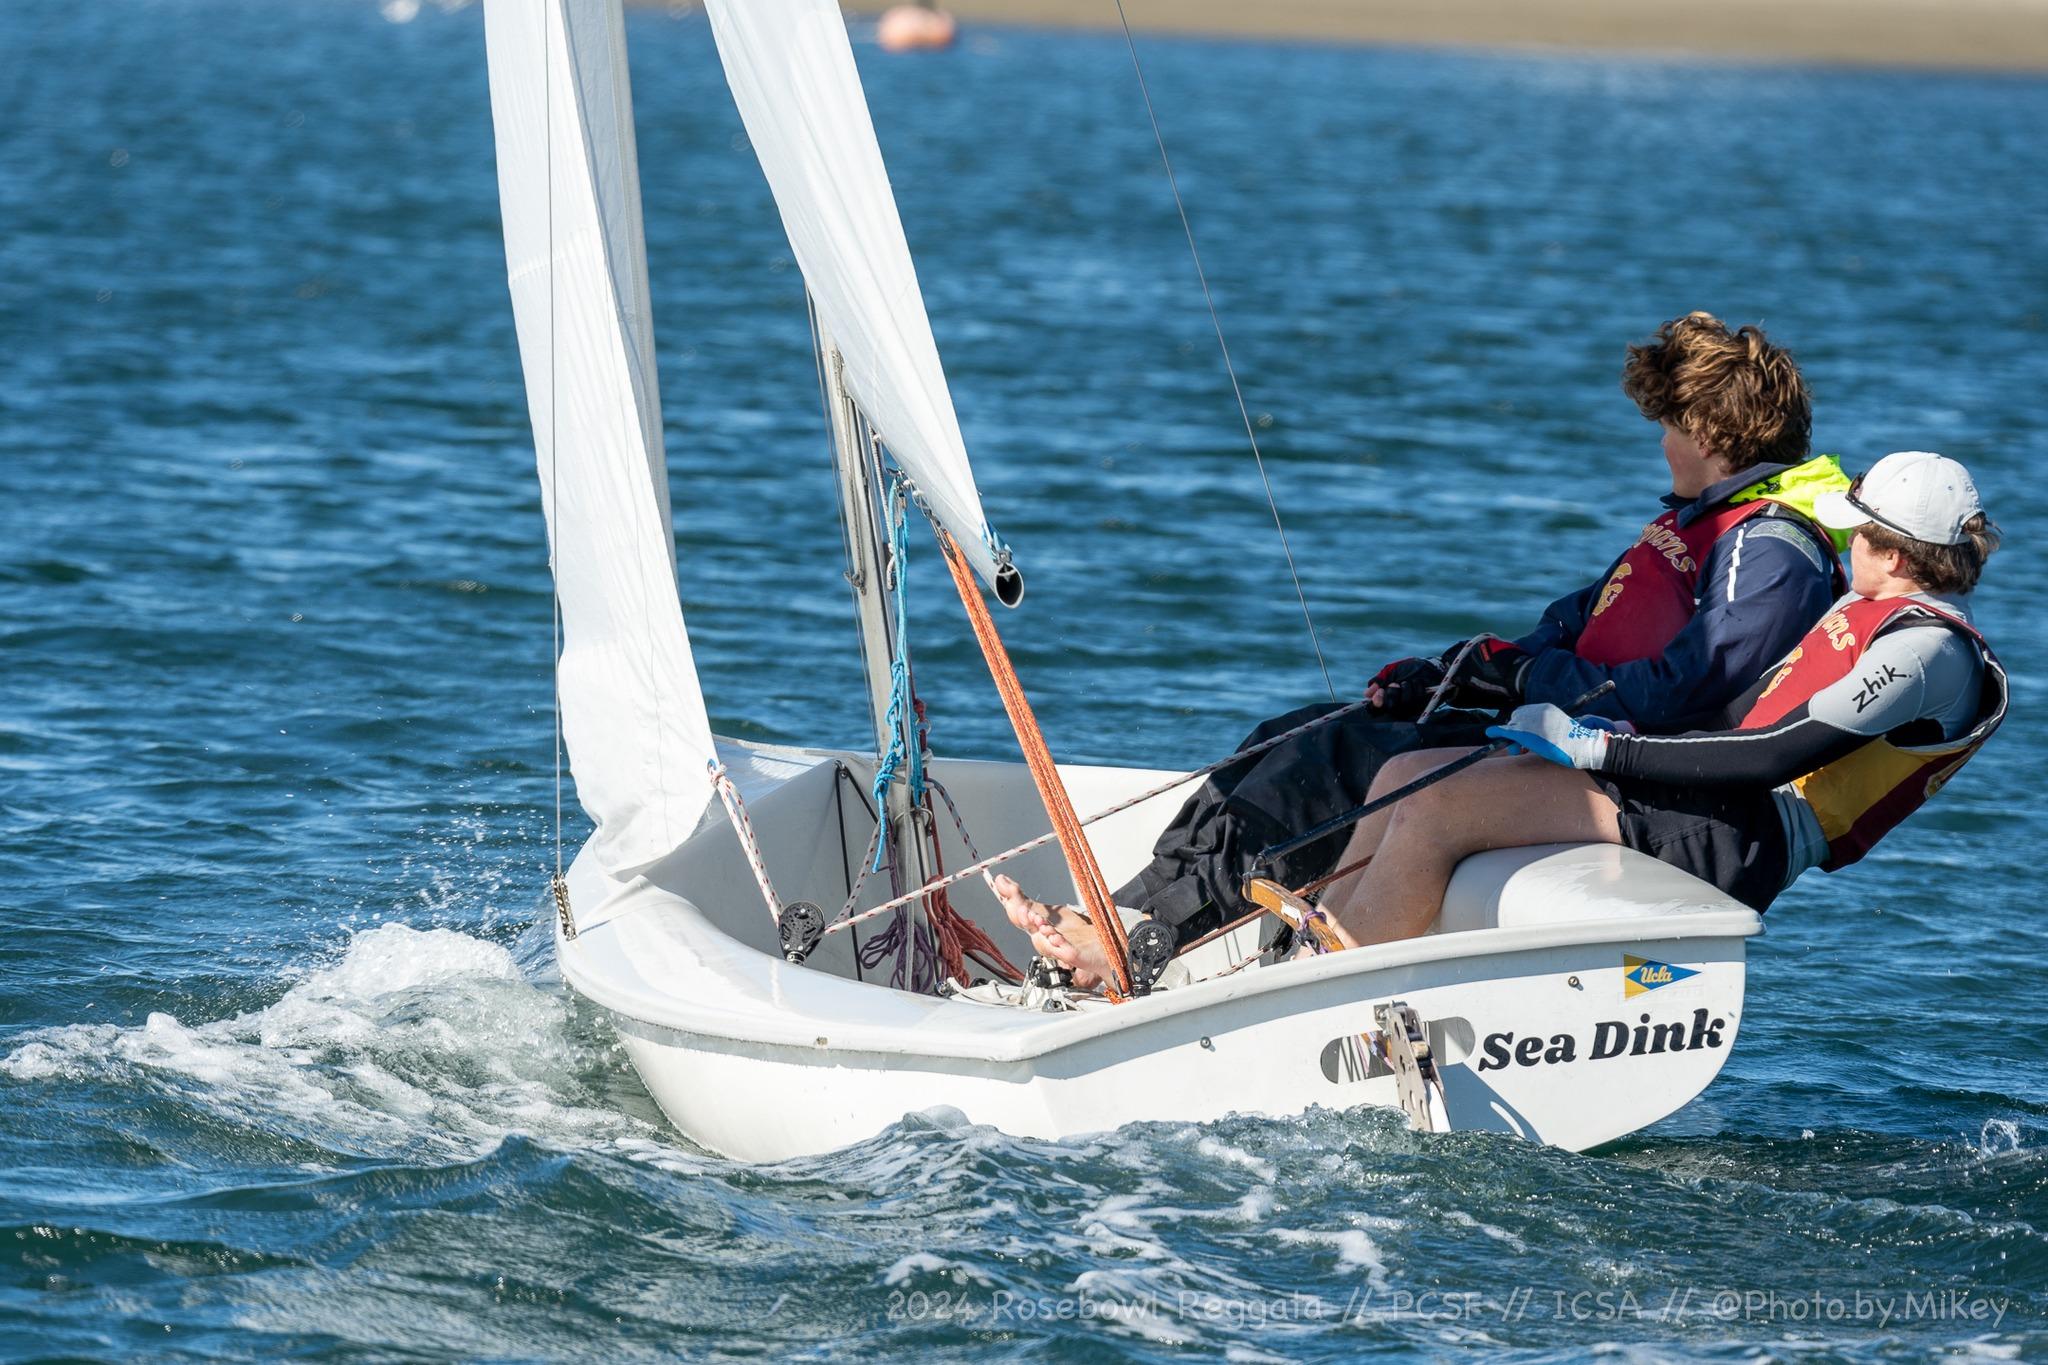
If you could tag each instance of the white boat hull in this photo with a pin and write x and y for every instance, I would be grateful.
(1544, 1021)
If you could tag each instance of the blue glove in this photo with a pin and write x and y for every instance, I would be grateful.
(1547, 732)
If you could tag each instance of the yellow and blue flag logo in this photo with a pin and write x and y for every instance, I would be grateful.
(1639, 974)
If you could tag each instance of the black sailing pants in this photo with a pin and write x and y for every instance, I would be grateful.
(1202, 858)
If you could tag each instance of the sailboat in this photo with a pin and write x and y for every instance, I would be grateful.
(793, 943)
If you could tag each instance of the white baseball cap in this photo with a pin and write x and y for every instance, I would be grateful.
(1914, 492)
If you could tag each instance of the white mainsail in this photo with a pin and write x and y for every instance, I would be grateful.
(569, 189)
(792, 74)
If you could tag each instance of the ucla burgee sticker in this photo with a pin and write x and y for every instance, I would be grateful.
(1640, 974)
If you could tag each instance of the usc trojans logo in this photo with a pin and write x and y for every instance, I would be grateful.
(1670, 544)
(1612, 590)
(1837, 627)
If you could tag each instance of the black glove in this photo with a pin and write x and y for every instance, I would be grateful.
(1405, 686)
(1489, 678)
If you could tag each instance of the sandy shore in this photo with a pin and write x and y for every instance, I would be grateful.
(1978, 34)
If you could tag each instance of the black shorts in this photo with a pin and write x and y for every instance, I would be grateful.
(1732, 837)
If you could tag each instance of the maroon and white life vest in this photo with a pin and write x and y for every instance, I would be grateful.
(1652, 593)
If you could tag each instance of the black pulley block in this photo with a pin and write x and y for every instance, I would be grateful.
(1152, 945)
(801, 924)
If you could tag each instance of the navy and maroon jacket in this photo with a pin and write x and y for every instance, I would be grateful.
(1760, 574)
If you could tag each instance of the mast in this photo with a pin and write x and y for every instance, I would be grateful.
(862, 515)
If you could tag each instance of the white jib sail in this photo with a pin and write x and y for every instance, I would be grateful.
(791, 70)
(569, 189)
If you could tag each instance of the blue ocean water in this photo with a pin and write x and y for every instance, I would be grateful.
(284, 1068)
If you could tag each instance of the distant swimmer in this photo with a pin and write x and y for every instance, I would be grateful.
(915, 27)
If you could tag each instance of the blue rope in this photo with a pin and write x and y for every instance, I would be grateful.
(899, 755)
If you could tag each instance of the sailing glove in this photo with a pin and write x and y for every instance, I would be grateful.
(1404, 687)
(1547, 732)
(1489, 678)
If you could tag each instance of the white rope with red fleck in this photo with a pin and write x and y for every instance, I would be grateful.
(867, 861)
(1441, 693)
(736, 809)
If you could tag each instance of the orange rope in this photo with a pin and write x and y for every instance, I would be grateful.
(1051, 790)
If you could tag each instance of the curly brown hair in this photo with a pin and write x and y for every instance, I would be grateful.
(1737, 395)
(1939, 568)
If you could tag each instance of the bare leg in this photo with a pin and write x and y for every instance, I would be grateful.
(1501, 803)
(1396, 772)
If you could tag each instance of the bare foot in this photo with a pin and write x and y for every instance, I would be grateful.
(1059, 932)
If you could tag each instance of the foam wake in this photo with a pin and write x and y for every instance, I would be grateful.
(415, 1043)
